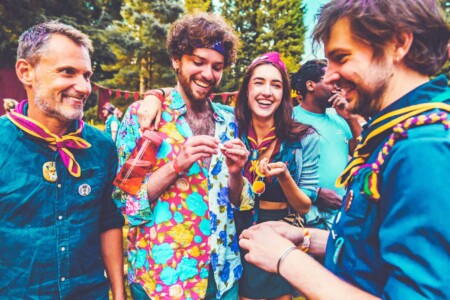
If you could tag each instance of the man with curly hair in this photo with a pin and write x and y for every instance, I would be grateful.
(183, 242)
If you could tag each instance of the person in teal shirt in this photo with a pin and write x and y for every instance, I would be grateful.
(111, 121)
(324, 107)
(390, 239)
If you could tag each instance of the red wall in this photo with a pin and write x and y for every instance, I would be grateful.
(10, 87)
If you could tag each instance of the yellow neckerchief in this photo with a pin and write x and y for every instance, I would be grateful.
(362, 152)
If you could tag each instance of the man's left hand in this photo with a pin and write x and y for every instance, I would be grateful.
(340, 104)
(236, 155)
(328, 199)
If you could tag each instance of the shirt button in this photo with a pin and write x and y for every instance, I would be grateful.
(59, 185)
(63, 249)
(63, 278)
(59, 217)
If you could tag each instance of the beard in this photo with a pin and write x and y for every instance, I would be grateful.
(43, 100)
(369, 103)
(370, 95)
(195, 100)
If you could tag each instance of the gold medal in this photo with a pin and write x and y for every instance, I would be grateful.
(258, 187)
(49, 171)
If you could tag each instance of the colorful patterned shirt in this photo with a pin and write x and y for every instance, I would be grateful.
(174, 240)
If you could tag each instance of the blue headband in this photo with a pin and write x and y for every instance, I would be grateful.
(218, 46)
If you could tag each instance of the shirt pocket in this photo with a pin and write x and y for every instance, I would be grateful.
(354, 219)
(356, 206)
(89, 189)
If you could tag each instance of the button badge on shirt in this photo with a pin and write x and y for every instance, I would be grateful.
(84, 189)
(49, 171)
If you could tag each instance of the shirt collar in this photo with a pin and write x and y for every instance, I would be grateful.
(178, 104)
(422, 94)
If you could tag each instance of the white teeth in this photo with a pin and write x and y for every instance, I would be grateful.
(74, 99)
(264, 102)
(201, 83)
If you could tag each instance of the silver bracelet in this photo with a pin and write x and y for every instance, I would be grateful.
(283, 256)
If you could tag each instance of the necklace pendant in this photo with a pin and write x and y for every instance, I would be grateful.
(254, 155)
(258, 187)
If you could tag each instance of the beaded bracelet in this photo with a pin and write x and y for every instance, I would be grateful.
(176, 167)
(283, 256)
(306, 240)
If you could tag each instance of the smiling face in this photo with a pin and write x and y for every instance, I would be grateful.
(61, 82)
(265, 92)
(199, 73)
(352, 66)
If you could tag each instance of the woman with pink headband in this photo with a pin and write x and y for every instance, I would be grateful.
(283, 163)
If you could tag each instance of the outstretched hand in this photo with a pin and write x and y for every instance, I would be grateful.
(264, 246)
(277, 169)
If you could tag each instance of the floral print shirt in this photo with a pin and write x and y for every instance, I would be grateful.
(174, 240)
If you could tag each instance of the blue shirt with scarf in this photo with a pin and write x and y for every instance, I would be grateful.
(50, 231)
(397, 247)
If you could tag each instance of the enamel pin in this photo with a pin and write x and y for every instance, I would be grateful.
(49, 171)
(84, 189)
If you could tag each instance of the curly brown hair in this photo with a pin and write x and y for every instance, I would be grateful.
(376, 22)
(202, 30)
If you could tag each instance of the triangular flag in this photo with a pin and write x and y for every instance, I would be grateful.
(126, 94)
(224, 98)
(136, 96)
(117, 94)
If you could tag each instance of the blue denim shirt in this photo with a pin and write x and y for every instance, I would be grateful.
(49, 231)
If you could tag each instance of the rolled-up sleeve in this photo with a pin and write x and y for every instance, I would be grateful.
(110, 215)
(308, 158)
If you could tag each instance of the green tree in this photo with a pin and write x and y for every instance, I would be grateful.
(198, 5)
(263, 26)
(138, 42)
(88, 16)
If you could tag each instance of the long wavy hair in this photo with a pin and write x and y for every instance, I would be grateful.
(286, 128)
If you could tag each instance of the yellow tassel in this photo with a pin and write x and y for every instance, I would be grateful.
(374, 186)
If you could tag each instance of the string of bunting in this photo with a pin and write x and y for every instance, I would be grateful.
(116, 93)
